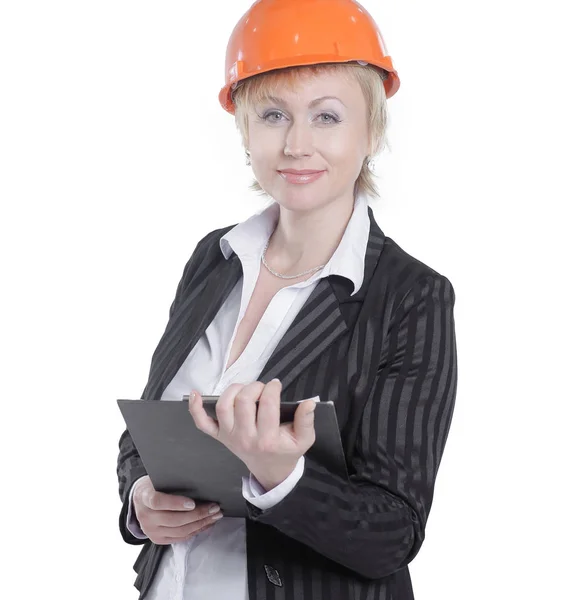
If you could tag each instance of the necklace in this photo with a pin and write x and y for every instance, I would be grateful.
(286, 276)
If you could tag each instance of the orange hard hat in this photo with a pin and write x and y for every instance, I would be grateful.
(274, 34)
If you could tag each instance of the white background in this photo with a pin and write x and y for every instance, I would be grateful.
(116, 158)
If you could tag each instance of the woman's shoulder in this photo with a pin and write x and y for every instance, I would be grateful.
(406, 271)
(398, 257)
(204, 254)
(208, 246)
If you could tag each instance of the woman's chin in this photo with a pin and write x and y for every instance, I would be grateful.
(299, 195)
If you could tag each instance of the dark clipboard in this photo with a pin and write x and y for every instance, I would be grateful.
(181, 459)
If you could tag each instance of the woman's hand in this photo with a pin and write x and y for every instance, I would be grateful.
(269, 450)
(164, 517)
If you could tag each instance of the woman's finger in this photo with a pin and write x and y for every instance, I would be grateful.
(201, 419)
(244, 410)
(224, 408)
(185, 538)
(187, 530)
(268, 419)
(304, 424)
(172, 519)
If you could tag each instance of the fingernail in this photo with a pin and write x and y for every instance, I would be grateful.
(217, 517)
(215, 508)
(189, 504)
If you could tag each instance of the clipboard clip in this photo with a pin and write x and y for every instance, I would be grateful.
(185, 398)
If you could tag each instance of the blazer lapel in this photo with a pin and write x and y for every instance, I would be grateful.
(188, 325)
(319, 323)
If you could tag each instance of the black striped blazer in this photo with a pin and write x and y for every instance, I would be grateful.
(387, 358)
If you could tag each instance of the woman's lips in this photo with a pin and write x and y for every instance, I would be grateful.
(305, 177)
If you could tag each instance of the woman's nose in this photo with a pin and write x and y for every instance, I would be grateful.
(299, 140)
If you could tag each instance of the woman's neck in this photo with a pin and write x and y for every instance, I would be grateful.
(304, 240)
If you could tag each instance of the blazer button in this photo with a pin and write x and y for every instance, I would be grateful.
(273, 575)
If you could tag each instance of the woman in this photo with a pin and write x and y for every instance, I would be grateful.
(305, 298)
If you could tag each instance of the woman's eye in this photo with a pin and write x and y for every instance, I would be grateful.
(332, 119)
(273, 113)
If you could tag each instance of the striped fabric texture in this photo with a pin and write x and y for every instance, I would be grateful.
(387, 358)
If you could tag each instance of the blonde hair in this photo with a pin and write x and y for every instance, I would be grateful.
(256, 88)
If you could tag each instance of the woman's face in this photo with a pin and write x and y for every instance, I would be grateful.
(322, 126)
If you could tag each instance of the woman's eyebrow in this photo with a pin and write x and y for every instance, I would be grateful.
(314, 102)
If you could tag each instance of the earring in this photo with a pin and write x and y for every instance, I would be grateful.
(248, 160)
(371, 164)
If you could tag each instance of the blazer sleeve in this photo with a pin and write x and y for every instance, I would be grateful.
(373, 522)
(129, 464)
